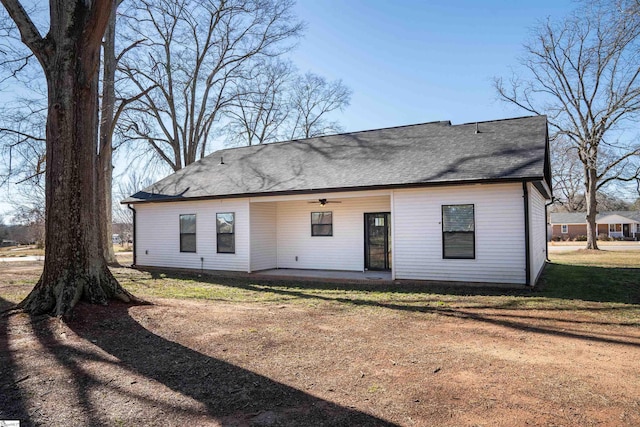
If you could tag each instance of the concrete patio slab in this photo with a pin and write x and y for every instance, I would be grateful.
(382, 276)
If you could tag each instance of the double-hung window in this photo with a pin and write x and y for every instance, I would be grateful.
(458, 232)
(322, 223)
(226, 233)
(188, 233)
(564, 228)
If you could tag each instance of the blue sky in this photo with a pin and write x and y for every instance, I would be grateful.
(411, 61)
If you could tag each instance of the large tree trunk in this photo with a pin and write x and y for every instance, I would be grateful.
(105, 154)
(74, 266)
(592, 209)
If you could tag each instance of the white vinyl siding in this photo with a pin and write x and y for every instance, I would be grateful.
(499, 234)
(158, 235)
(537, 232)
(342, 251)
(263, 236)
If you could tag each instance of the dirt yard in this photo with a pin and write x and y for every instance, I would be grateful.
(321, 359)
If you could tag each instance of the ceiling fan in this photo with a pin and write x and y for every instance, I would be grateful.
(323, 202)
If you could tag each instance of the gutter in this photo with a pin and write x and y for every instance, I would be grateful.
(135, 238)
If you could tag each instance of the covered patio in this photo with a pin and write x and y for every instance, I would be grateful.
(290, 273)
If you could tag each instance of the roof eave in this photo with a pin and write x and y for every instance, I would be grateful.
(535, 180)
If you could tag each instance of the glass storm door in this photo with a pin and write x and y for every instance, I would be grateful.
(377, 241)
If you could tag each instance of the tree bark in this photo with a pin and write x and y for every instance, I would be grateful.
(105, 153)
(74, 266)
(591, 182)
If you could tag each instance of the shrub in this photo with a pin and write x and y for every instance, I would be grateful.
(580, 238)
(604, 237)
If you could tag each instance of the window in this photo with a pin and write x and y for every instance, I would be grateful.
(615, 228)
(322, 223)
(564, 228)
(188, 233)
(458, 231)
(225, 233)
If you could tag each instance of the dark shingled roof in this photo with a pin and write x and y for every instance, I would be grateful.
(581, 217)
(415, 155)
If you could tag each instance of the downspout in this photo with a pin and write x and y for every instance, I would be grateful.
(546, 215)
(135, 239)
(527, 253)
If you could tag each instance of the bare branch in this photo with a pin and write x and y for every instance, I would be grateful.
(584, 73)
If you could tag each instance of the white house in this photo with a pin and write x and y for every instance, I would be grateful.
(431, 201)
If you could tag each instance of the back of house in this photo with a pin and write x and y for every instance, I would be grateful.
(432, 201)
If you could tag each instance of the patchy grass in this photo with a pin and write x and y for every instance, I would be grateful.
(252, 351)
(581, 280)
(605, 259)
(32, 250)
(20, 251)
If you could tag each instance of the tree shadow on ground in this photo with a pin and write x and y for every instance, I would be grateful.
(595, 284)
(568, 328)
(12, 401)
(231, 395)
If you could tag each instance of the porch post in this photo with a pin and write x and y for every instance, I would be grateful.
(393, 236)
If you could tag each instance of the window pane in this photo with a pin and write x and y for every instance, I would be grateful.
(188, 223)
(458, 245)
(322, 230)
(187, 242)
(322, 223)
(457, 218)
(226, 243)
(225, 222)
(321, 217)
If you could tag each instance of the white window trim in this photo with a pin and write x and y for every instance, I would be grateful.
(564, 228)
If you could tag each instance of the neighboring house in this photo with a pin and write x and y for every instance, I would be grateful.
(613, 224)
(432, 201)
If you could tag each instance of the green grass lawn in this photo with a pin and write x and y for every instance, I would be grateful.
(603, 276)
(577, 280)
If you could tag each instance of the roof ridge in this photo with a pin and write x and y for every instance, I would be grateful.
(503, 120)
(436, 122)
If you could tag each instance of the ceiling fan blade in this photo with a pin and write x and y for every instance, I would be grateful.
(324, 201)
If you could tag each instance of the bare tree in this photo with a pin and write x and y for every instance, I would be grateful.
(278, 104)
(568, 176)
(312, 98)
(69, 54)
(192, 53)
(261, 106)
(22, 131)
(584, 73)
(123, 216)
(30, 213)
